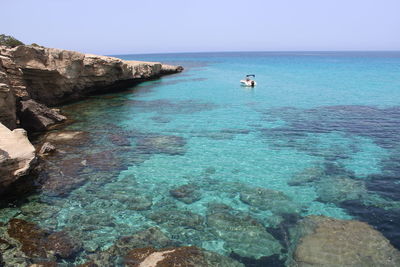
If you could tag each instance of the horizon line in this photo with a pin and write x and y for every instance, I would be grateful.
(252, 51)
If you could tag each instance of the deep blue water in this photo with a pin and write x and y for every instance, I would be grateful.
(319, 134)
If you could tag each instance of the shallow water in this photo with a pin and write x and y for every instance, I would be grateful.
(320, 134)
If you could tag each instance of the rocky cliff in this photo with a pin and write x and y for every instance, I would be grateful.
(53, 76)
(33, 78)
(7, 100)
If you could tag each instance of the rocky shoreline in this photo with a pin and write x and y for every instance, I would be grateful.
(34, 78)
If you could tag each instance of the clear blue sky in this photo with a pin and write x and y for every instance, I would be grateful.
(132, 26)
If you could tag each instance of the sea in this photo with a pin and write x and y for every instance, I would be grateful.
(227, 168)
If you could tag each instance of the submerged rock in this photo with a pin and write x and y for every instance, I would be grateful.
(17, 156)
(31, 237)
(139, 202)
(40, 243)
(268, 199)
(180, 256)
(173, 218)
(308, 175)
(151, 237)
(119, 140)
(243, 235)
(336, 189)
(166, 144)
(186, 193)
(331, 242)
(64, 178)
(104, 161)
(39, 210)
(73, 138)
(61, 245)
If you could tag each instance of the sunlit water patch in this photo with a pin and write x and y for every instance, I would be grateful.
(228, 168)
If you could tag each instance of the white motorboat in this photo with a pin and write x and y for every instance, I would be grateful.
(248, 82)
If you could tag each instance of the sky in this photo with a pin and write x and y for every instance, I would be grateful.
(163, 26)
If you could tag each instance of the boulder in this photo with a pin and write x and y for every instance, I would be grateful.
(46, 149)
(17, 156)
(331, 242)
(35, 117)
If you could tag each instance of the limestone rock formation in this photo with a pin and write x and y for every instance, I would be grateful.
(36, 117)
(331, 242)
(7, 101)
(53, 76)
(17, 155)
(170, 69)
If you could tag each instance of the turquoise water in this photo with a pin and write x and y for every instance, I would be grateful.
(201, 157)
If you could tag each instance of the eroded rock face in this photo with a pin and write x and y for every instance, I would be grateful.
(52, 76)
(36, 117)
(7, 101)
(170, 69)
(331, 242)
(17, 156)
